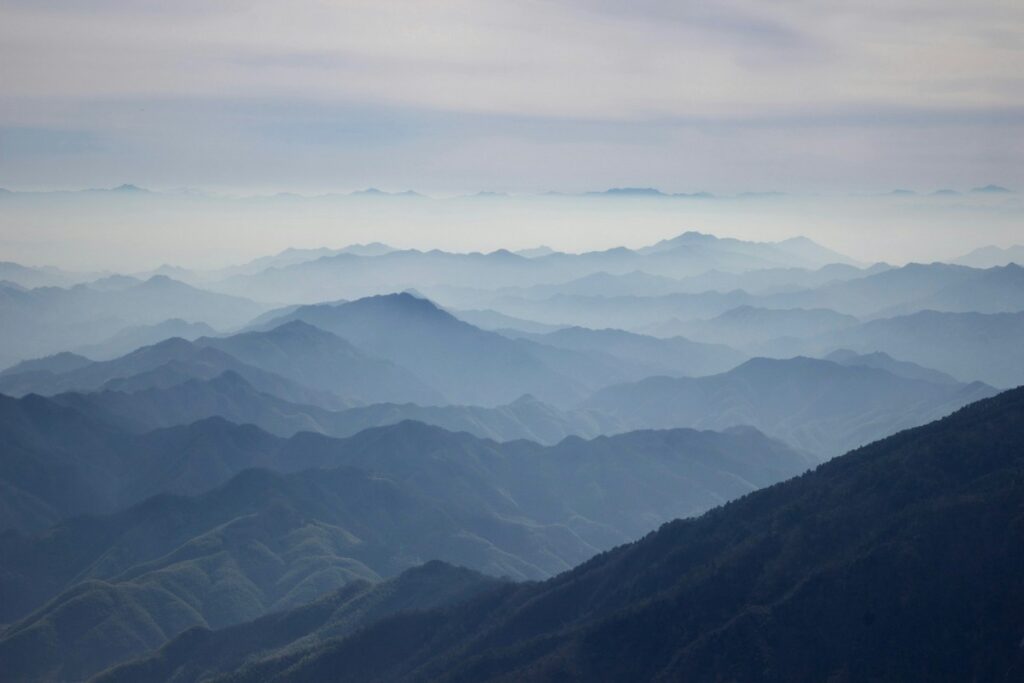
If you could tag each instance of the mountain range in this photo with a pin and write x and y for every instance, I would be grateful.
(37, 322)
(230, 396)
(890, 563)
(824, 407)
(94, 590)
(701, 459)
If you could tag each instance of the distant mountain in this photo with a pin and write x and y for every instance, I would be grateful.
(162, 365)
(94, 591)
(494, 321)
(890, 563)
(766, 281)
(991, 256)
(31, 277)
(322, 360)
(633, 313)
(991, 189)
(368, 249)
(777, 280)
(879, 291)
(231, 397)
(968, 346)
(55, 364)
(646, 355)
(293, 256)
(534, 252)
(353, 276)
(817, 405)
(630, 192)
(44, 321)
(636, 283)
(114, 283)
(883, 361)
(466, 364)
(131, 338)
(748, 327)
(994, 290)
(797, 251)
(915, 287)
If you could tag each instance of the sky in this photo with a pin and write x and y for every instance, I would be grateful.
(831, 98)
(569, 95)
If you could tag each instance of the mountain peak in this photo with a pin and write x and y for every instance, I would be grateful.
(128, 187)
(634, 192)
(404, 301)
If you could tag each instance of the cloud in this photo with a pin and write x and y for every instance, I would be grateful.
(363, 76)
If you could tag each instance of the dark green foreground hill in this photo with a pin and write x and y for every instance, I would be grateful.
(900, 561)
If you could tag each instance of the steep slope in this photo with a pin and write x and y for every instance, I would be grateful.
(892, 563)
(817, 405)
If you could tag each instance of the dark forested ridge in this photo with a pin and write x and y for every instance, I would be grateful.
(898, 561)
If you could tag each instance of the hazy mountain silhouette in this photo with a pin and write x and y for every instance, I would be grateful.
(131, 338)
(884, 361)
(641, 284)
(911, 288)
(633, 313)
(358, 276)
(968, 346)
(493, 321)
(889, 563)
(747, 327)
(316, 358)
(645, 355)
(231, 397)
(992, 256)
(29, 277)
(64, 361)
(777, 280)
(43, 321)
(465, 363)
(995, 290)
(818, 405)
(162, 365)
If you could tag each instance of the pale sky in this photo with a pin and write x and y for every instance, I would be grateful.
(450, 96)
